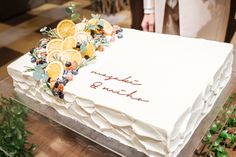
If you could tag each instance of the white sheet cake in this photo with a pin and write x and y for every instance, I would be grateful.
(148, 91)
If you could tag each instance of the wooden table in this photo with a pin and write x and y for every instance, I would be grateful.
(53, 139)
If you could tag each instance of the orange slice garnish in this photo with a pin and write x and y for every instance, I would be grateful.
(89, 51)
(71, 55)
(107, 27)
(53, 55)
(66, 28)
(54, 44)
(81, 26)
(93, 21)
(69, 43)
(83, 37)
(54, 69)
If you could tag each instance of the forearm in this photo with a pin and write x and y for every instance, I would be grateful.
(148, 6)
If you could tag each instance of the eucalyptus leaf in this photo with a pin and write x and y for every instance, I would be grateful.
(44, 77)
(74, 16)
(37, 75)
(83, 47)
(43, 29)
(69, 10)
(44, 65)
(100, 24)
(92, 27)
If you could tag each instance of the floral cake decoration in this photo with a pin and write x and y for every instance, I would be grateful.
(69, 47)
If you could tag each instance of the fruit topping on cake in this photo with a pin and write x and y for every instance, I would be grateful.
(69, 47)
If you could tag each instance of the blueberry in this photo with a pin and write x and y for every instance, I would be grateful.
(55, 92)
(68, 64)
(44, 60)
(60, 80)
(120, 35)
(117, 31)
(86, 57)
(65, 80)
(56, 84)
(78, 45)
(61, 95)
(74, 72)
(33, 60)
(65, 72)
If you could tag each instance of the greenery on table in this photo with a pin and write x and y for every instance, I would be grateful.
(222, 133)
(13, 135)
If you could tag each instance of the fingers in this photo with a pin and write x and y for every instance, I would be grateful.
(148, 23)
(151, 27)
(144, 25)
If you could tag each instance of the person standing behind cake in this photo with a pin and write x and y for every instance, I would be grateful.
(190, 18)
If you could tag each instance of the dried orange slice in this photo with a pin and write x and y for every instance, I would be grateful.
(107, 27)
(69, 43)
(93, 21)
(89, 51)
(83, 37)
(71, 55)
(54, 44)
(66, 28)
(54, 69)
(81, 26)
(53, 55)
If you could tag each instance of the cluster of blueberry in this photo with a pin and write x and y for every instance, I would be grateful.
(40, 58)
(59, 87)
(69, 71)
(119, 33)
(38, 55)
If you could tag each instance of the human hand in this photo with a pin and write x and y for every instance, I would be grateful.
(148, 22)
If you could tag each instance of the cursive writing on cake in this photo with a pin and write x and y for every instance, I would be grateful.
(121, 92)
(110, 77)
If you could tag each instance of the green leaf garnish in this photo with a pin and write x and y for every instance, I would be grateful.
(74, 16)
(83, 47)
(100, 24)
(71, 10)
(49, 32)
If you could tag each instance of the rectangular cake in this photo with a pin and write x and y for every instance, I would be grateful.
(148, 91)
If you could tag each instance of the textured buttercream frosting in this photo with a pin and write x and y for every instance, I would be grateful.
(147, 90)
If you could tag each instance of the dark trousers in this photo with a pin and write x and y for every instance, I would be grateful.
(136, 7)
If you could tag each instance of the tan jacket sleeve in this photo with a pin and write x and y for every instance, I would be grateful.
(148, 6)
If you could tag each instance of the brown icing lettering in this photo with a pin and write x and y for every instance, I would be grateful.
(122, 92)
(96, 84)
(126, 80)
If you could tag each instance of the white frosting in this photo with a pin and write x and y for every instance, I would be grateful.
(180, 79)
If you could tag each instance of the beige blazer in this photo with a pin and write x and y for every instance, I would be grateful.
(197, 18)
